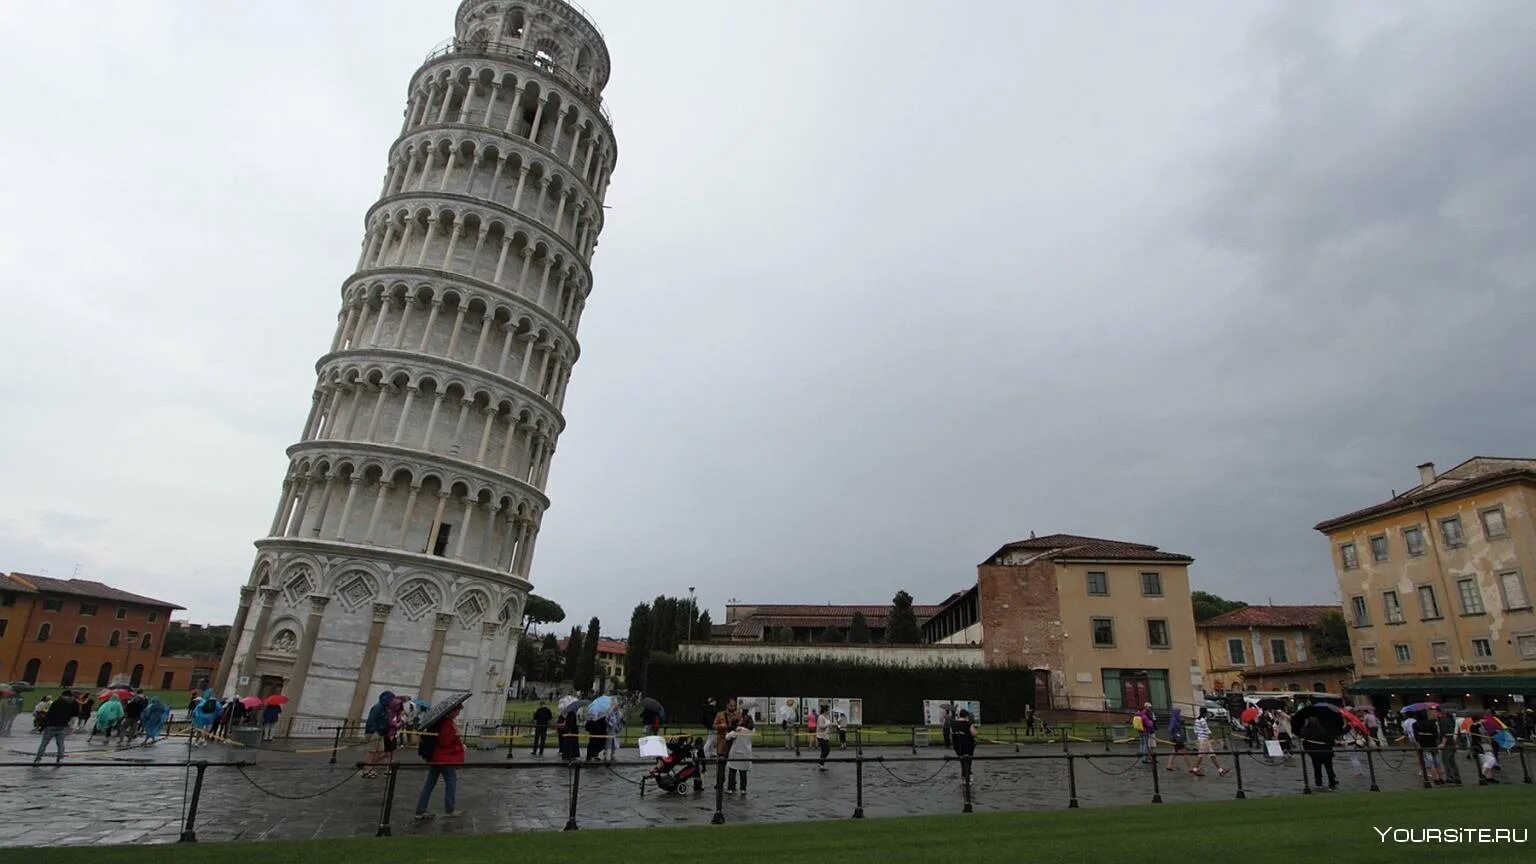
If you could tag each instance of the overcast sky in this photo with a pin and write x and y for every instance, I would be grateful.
(882, 286)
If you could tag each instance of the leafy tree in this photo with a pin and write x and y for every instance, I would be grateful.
(782, 635)
(549, 658)
(702, 628)
(574, 644)
(586, 662)
(639, 653)
(831, 634)
(206, 641)
(1330, 637)
(858, 629)
(528, 658)
(1208, 605)
(901, 623)
(541, 610)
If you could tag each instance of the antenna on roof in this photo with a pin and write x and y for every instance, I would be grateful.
(1031, 535)
(76, 574)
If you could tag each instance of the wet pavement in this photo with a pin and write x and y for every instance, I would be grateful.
(288, 795)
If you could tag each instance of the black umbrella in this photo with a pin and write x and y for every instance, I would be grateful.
(574, 707)
(1329, 717)
(650, 704)
(443, 706)
(1270, 702)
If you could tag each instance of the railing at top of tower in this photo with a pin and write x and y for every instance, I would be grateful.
(518, 52)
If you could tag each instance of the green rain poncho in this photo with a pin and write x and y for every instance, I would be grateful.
(108, 714)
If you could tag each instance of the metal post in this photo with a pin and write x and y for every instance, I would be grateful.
(719, 817)
(1526, 769)
(1306, 784)
(965, 770)
(795, 731)
(858, 786)
(570, 821)
(511, 738)
(1106, 738)
(1157, 789)
(858, 741)
(336, 743)
(1071, 783)
(189, 830)
(1064, 747)
(1015, 731)
(387, 808)
(1370, 765)
(914, 740)
(1237, 767)
(1423, 771)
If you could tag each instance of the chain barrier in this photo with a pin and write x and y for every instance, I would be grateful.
(266, 791)
(1126, 770)
(945, 760)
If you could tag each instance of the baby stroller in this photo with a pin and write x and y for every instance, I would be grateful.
(674, 770)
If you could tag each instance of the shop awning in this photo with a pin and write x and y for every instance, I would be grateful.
(1486, 685)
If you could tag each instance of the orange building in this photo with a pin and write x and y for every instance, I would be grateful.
(75, 631)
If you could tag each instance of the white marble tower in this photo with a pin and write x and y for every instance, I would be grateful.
(398, 558)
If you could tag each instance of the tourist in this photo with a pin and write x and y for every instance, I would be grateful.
(1489, 762)
(739, 743)
(443, 750)
(1145, 724)
(84, 709)
(728, 718)
(204, 714)
(152, 721)
(10, 706)
(55, 723)
(823, 737)
(1179, 738)
(944, 727)
(39, 711)
(1318, 744)
(541, 717)
(569, 733)
(1448, 735)
(108, 716)
(1426, 737)
(381, 742)
(133, 709)
(962, 736)
(1204, 747)
(270, 713)
(597, 741)
(1029, 720)
(1374, 734)
(615, 730)
(840, 721)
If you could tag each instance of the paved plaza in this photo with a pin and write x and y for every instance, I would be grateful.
(299, 795)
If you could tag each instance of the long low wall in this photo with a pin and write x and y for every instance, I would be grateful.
(884, 655)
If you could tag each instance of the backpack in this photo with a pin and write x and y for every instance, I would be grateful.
(1137, 723)
(428, 745)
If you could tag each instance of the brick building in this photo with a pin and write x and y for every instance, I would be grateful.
(76, 631)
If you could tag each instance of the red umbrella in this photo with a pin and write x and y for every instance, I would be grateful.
(1354, 721)
(251, 701)
(1250, 714)
(277, 699)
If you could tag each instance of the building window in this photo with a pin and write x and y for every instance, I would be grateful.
(44, 632)
(1493, 522)
(153, 617)
(87, 608)
(121, 613)
(440, 548)
(1403, 652)
(1527, 645)
(1098, 583)
(1319, 687)
(1368, 655)
(1428, 605)
(1514, 590)
(1379, 547)
(1362, 614)
(1440, 650)
(1348, 557)
(1471, 597)
(145, 642)
(1277, 652)
(1237, 652)
(1103, 632)
(1394, 608)
(80, 636)
(1413, 536)
(1450, 529)
(114, 639)
(53, 605)
(1152, 584)
(3, 625)
(1157, 633)
(1482, 649)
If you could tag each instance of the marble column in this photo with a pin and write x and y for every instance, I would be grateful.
(294, 688)
(258, 634)
(370, 659)
(236, 630)
(434, 656)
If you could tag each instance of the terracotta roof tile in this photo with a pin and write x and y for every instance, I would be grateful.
(1076, 546)
(1269, 616)
(88, 588)
(1479, 472)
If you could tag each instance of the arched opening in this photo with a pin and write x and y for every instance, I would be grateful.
(71, 669)
(138, 675)
(114, 639)
(30, 673)
(145, 642)
(80, 636)
(44, 632)
(104, 675)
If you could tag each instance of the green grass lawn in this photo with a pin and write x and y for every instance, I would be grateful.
(177, 699)
(1291, 829)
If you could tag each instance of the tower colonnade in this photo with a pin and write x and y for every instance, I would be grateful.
(400, 552)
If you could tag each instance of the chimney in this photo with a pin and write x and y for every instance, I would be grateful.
(1427, 473)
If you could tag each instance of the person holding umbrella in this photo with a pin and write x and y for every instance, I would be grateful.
(381, 742)
(443, 749)
(271, 712)
(1317, 742)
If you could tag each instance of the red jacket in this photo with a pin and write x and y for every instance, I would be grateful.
(450, 747)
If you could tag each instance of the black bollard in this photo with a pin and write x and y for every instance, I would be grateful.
(858, 786)
(336, 743)
(1157, 788)
(719, 817)
(570, 822)
(1423, 770)
(795, 731)
(858, 741)
(1370, 765)
(1106, 738)
(511, 737)
(1071, 783)
(1064, 739)
(386, 809)
(1526, 769)
(1015, 731)
(189, 829)
(1237, 768)
(965, 769)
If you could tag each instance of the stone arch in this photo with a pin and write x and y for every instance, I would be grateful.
(284, 635)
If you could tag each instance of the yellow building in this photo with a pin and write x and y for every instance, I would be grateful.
(1269, 648)
(1436, 586)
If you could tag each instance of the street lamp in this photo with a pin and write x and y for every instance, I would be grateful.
(693, 612)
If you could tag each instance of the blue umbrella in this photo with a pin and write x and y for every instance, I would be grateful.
(600, 707)
(1504, 739)
(421, 703)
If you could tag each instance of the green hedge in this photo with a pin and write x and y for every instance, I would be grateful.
(891, 694)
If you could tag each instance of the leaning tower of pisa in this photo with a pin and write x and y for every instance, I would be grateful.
(399, 555)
